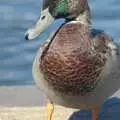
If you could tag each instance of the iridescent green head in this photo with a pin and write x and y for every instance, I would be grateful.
(59, 9)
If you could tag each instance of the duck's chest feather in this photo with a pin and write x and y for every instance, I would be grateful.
(70, 65)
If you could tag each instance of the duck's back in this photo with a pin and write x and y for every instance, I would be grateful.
(69, 63)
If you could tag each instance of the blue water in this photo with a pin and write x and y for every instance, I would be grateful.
(16, 54)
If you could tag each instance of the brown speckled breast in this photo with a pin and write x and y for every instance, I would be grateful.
(70, 64)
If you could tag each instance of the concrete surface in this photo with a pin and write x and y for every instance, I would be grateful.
(33, 113)
(27, 103)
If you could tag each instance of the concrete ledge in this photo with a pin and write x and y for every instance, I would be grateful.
(27, 103)
(33, 113)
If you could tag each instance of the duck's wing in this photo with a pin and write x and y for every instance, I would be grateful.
(110, 74)
(104, 43)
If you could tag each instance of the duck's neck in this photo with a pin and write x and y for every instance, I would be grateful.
(84, 18)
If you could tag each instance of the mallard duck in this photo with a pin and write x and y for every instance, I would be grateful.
(77, 67)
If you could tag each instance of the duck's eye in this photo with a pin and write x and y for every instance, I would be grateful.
(43, 17)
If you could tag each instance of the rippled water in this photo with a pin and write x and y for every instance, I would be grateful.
(16, 54)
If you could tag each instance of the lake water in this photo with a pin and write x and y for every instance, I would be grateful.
(16, 54)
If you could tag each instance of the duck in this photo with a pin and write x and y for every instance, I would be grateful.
(77, 66)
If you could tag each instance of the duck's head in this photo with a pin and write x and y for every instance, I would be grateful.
(55, 9)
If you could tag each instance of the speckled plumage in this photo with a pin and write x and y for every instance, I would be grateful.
(76, 68)
(70, 65)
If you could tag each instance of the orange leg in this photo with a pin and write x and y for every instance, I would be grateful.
(95, 112)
